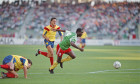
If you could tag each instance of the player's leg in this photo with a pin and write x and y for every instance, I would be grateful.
(55, 64)
(41, 52)
(9, 74)
(51, 57)
(8, 63)
(59, 57)
(50, 54)
(47, 43)
(80, 45)
(5, 66)
(83, 43)
(70, 56)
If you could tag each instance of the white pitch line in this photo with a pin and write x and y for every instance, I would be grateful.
(110, 71)
(103, 71)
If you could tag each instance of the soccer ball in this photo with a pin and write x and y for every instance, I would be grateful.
(117, 64)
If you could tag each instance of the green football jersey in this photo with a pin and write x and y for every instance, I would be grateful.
(69, 37)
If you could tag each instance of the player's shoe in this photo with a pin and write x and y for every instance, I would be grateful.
(61, 64)
(3, 75)
(37, 52)
(51, 71)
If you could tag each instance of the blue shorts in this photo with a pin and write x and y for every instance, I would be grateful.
(83, 41)
(8, 59)
(49, 43)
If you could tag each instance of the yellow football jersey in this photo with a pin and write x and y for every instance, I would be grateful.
(50, 34)
(84, 35)
(20, 62)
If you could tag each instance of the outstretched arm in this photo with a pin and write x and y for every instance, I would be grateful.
(60, 33)
(74, 45)
(59, 30)
(25, 71)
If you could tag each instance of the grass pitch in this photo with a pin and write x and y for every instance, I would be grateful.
(93, 66)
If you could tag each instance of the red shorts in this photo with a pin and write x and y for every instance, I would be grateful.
(60, 52)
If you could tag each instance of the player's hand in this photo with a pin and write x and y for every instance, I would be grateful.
(81, 49)
(47, 39)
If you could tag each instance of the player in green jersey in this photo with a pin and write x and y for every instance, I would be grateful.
(64, 47)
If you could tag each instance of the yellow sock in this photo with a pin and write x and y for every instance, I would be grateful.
(68, 58)
(54, 65)
(80, 45)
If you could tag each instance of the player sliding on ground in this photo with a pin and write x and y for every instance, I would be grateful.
(13, 63)
(63, 47)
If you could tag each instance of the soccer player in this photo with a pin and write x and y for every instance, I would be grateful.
(83, 39)
(49, 38)
(13, 63)
(63, 47)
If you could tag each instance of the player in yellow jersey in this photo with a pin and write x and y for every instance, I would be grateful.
(49, 38)
(13, 63)
(83, 39)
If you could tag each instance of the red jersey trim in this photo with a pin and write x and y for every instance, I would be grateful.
(58, 28)
(46, 28)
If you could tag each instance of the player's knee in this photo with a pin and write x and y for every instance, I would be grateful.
(16, 76)
(51, 54)
(11, 69)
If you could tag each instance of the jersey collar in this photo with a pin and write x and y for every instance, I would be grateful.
(52, 27)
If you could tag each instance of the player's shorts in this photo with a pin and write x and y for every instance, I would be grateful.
(8, 59)
(60, 52)
(49, 43)
(83, 41)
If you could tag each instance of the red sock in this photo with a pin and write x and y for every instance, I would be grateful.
(5, 66)
(82, 46)
(51, 60)
(43, 53)
(10, 75)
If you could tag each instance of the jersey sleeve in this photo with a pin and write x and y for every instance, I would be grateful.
(73, 39)
(60, 33)
(26, 62)
(45, 30)
(67, 33)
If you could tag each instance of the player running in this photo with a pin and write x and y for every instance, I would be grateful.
(49, 38)
(13, 63)
(83, 39)
(63, 47)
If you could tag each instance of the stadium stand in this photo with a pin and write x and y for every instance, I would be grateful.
(11, 18)
(101, 21)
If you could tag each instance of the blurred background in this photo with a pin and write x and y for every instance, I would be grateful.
(107, 22)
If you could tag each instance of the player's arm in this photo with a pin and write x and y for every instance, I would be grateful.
(60, 33)
(44, 36)
(61, 37)
(59, 30)
(74, 45)
(25, 71)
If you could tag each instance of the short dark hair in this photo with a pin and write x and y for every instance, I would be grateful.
(53, 18)
(29, 61)
(79, 30)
